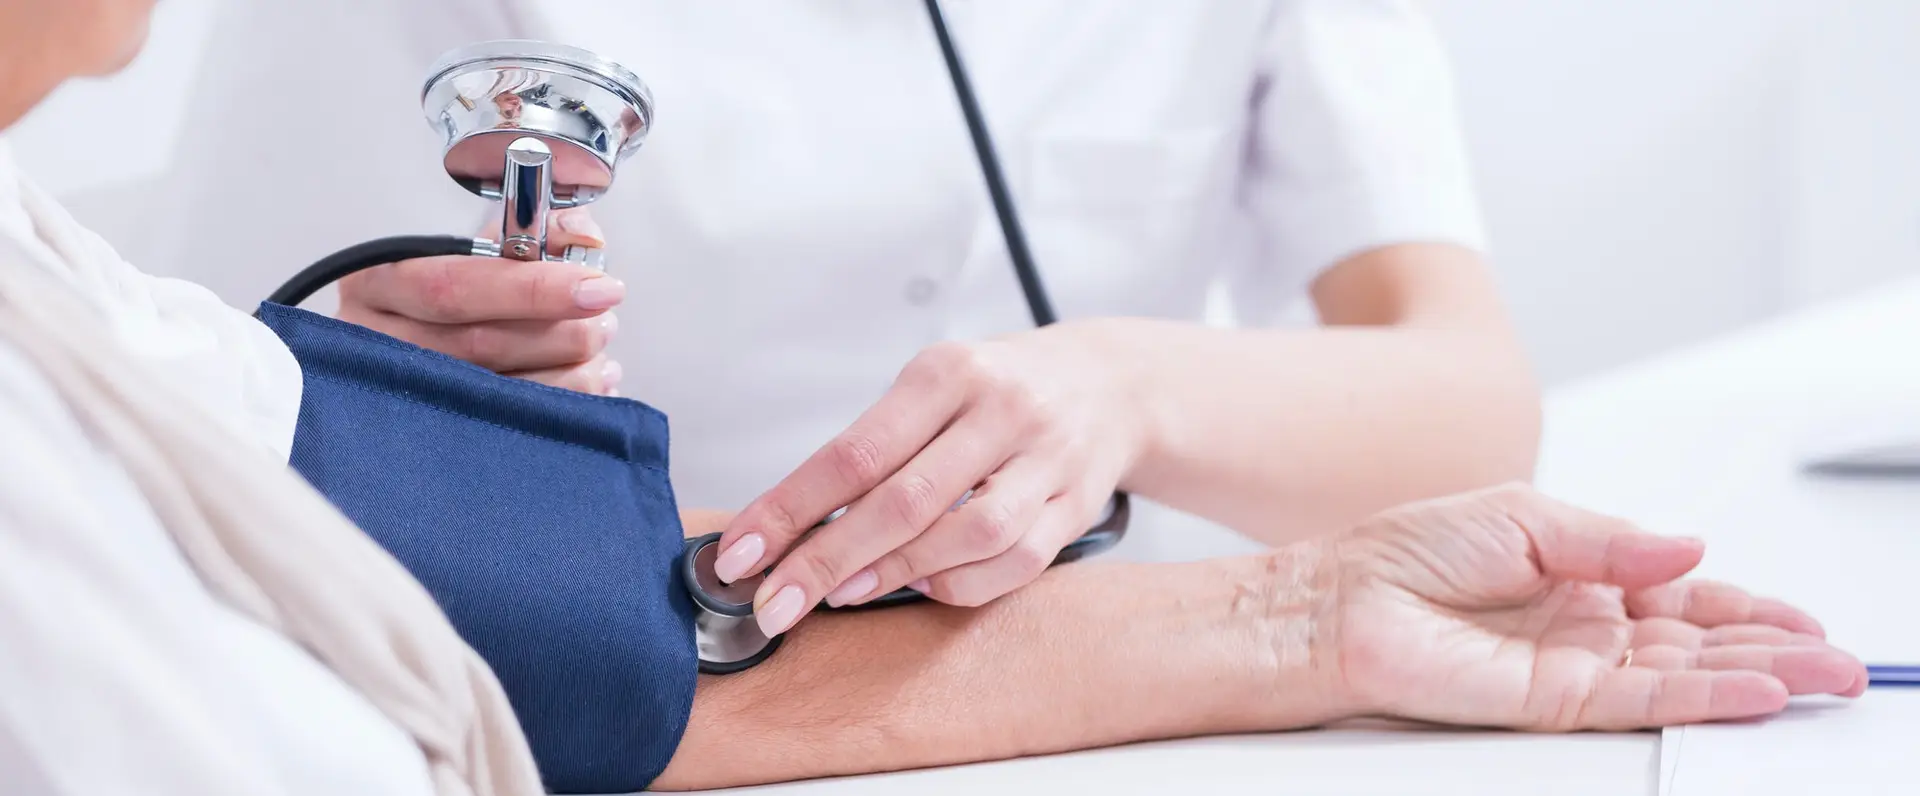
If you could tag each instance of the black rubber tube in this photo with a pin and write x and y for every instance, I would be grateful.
(363, 256)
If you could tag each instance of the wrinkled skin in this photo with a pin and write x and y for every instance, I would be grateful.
(1505, 608)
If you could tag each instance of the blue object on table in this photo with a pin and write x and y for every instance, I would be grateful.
(541, 520)
(1893, 676)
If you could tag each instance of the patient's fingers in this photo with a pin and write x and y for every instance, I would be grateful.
(1804, 669)
(1708, 603)
(991, 522)
(506, 346)
(597, 376)
(981, 582)
(1639, 697)
(1662, 631)
(1736, 635)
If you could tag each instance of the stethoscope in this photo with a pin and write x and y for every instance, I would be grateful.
(729, 640)
(539, 127)
(535, 126)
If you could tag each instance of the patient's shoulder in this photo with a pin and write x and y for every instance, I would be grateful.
(45, 440)
(62, 493)
(100, 608)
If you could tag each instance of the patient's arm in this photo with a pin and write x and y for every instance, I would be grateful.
(1090, 655)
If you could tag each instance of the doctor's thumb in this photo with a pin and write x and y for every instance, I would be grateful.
(573, 226)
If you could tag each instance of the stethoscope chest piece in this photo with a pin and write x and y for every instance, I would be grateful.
(589, 111)
(724, 630)
(538, 127)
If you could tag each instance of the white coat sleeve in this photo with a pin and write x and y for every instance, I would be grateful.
(1356, 142)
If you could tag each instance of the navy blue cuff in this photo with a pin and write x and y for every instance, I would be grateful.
(542, 520)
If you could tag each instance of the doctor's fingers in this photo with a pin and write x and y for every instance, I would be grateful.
(573, 226)
(1060, 521)
(1000, 514)
(881, 441)
(834, 560)
(504, 346)
(597, 376)
(451, 290)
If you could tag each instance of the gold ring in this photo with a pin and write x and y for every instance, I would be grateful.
(1627, 660)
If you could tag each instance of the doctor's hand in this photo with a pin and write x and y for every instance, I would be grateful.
(1504, 608)
(545, 321)
(1040, 425)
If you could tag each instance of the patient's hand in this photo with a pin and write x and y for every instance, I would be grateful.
(1500, 608)
(1506, 608)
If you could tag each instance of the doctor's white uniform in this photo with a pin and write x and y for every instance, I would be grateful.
(808, 214)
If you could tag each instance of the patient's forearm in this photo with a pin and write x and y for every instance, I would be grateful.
(1091, 655)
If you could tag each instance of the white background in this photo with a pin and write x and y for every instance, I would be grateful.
(1654, 171)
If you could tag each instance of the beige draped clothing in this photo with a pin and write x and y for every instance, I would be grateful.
(179, 612)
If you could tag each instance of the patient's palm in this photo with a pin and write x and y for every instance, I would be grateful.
(1448, 614)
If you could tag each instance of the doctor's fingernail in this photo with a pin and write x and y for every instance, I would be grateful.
(598, 293)
(583, 225)
(920, 585)
(855, 588)
(780, 612)
(740, 557)
(610, 376)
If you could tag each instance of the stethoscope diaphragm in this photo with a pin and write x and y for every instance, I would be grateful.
(725, 633)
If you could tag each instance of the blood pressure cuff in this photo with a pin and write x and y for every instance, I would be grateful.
(543, 522)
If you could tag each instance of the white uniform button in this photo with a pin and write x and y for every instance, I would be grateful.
(921, 291)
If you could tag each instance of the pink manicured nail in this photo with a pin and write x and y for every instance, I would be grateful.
(583, 225)
(780, 612)
(740, 557)
(610, 375)
(855, 588)
(598, 293)
(920, 585)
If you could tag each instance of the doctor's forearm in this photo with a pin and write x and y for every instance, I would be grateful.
(1090, 655)
(1284, 434)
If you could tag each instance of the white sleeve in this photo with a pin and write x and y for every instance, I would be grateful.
(1356, 140)
(224, 357)
(101, 691)
(121, 673)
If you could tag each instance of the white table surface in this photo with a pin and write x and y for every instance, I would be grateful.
(1705, 441)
